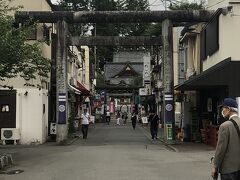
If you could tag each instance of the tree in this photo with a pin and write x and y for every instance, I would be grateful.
(186, 5)
(106, 29)
(17, 57)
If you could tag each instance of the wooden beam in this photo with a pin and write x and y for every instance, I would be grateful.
(116, 41)
(115, 16)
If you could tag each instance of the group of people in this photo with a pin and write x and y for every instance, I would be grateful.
(227, 155)
(121, 117)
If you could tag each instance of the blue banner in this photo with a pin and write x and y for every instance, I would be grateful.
(62, 108)
(169, 116)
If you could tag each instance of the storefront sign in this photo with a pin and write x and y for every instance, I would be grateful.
(142, 92)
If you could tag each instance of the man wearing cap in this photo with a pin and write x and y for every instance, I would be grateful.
(227, 155)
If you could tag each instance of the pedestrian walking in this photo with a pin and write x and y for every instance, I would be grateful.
(227, 155)
(85, 118)
(118, 118)
(134, 120)
(108, 117)
(154, 124)
(125, 117)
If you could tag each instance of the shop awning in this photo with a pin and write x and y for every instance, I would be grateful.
(75, 90)
(82, 88)
(225, 73)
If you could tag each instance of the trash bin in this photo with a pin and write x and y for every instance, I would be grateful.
(169, 131)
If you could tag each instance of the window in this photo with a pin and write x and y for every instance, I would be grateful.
(210, 38)
(46, 34)
(5, 109)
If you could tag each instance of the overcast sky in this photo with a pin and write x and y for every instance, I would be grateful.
(154, 4)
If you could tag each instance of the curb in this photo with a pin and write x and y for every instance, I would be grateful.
(161, 140)
(169, 145)
(73, 140)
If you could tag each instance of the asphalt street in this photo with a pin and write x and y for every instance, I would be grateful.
(111, 152)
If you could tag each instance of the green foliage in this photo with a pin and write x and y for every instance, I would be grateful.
(155, 29)
(100, 79)
(138, 81)
(17, 57)
(105, 54)
(185, 5)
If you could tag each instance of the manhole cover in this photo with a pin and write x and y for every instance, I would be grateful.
(18, 171)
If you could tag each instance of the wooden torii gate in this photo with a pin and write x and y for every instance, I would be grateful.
(168, 20)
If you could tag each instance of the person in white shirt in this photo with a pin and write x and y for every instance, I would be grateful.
(85, 123)
(108, 117)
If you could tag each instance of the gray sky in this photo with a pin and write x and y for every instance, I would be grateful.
(154, 4)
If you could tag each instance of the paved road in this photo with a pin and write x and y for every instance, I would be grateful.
(110, 153)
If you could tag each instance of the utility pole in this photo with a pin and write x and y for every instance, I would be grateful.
(168, 91)
(62, 95)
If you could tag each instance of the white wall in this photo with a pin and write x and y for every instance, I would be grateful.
(30, 119)
(215, 4)
(229, 28)
(32, 5)
(29, 115)
(175, 54)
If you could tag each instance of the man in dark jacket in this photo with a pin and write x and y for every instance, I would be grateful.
(227, 155)
(154, 123)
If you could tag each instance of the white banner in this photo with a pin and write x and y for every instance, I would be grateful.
(146, 68)
(142, 92)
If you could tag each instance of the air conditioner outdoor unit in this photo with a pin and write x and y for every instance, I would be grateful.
(10, 134)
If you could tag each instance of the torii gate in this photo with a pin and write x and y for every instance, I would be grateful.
(168, 19)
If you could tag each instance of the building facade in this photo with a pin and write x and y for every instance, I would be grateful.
(209, 70)
(27, 107)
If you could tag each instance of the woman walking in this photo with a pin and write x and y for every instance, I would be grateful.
(134, 120)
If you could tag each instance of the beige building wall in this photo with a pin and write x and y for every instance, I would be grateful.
(33, 5)
(32, 103)
(175, 54)
(229, 28)
(215, 4)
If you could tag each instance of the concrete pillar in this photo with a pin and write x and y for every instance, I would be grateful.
(168, 91)
(62, 95)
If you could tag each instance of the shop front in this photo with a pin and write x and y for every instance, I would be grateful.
(211, 87)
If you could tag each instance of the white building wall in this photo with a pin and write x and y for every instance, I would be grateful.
(229, 28)
(175, 54)
(32, 5)
(30, 119)
(215, 4)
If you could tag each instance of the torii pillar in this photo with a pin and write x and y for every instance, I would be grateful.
(168, 86)
(61, 75)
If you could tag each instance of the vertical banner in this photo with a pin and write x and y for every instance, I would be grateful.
(112, 107)
(62, 108)
(169, 108)
(146, 70)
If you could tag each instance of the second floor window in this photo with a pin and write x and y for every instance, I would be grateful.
(210, 38)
